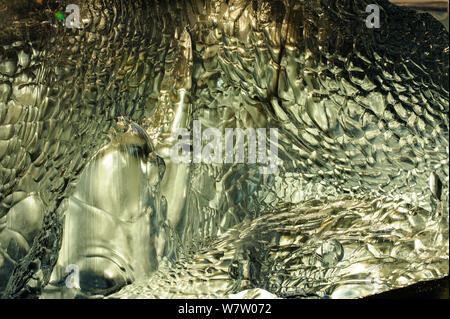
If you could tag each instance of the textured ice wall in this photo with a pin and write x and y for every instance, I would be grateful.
(362, 116)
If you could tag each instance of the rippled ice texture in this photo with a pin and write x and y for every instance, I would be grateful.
(359, 204)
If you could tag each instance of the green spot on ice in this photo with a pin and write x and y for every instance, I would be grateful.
(59, 16)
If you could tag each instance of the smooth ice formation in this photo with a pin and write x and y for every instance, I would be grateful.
(93, 204)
